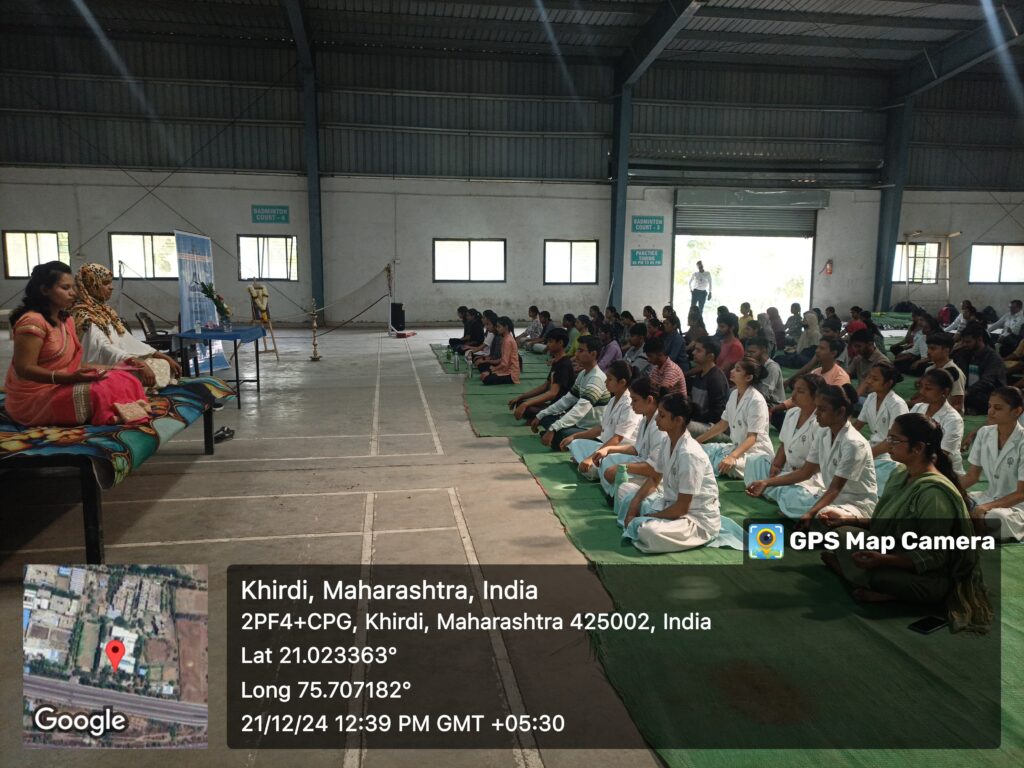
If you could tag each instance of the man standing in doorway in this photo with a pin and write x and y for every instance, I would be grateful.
(700, 287)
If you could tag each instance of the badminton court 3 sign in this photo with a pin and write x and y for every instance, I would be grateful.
(645, 257)
(648, 223)
(270, 214)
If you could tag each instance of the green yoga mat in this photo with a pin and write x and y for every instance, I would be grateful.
(735, 674)
(587, 518)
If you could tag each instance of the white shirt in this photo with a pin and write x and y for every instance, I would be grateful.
(849, 457)
(618, 419)
(687, 470)
(97, 348)
(749, 415)
(649, 440)
(957, 325)
(952, 424)
(797, 440)
(700, 281)
(488, 340)
(1002, 469)
(920, 345)
(1010, 323)
(880, 419)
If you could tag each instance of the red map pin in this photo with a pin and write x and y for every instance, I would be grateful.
(115, 652)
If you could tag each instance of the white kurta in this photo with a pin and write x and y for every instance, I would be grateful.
(748, 415)
(879, 419)
(1003, 469)
(649, 440)
(619, 419)
(685, 470)
(97, 348)
(797, 440)
(952, 424)
(849, 457)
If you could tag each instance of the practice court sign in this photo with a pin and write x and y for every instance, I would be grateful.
(648, 223)
(270, 214)
(645, 257)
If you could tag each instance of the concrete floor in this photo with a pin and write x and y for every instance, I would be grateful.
(365, 456)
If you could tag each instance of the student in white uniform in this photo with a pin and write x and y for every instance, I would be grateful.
(799, 432)
(637, 457)
(998, 454)
(687, 514)
(841, 454)
(880, 409)
(746, 418)
(618, 424)
(934, 389)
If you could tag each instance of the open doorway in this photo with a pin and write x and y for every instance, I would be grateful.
(766, 271)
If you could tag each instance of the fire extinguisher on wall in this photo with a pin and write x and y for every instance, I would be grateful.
(828, 267)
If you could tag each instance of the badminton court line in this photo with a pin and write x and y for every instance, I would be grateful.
(526, 754)
(423, 397)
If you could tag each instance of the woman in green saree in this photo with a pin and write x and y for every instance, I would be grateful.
(923, 497)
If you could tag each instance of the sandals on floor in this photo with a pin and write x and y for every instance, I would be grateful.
(223, 434)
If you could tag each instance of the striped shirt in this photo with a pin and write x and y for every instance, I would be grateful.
(668, 375)
(584, 404)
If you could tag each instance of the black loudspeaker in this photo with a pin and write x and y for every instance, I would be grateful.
(398, 316)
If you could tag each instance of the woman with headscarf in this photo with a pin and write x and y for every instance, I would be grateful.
(777, 326)
(806, 345)
(104, 338)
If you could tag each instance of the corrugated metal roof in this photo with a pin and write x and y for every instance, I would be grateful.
(599, 28)
(474, 89)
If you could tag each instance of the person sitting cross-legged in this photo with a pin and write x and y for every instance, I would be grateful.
(581, 409)
(637, 457)
(685, 513)
(506, 369)
(618, 426)
(921, 498)
(556, 385)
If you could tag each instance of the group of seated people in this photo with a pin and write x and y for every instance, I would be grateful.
(75, 362)
(657, 435)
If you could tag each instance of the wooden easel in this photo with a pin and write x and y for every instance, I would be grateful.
(259, 301)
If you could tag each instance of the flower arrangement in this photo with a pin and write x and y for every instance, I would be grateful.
(207, 289)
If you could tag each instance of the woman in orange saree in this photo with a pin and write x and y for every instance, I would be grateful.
(47, 383)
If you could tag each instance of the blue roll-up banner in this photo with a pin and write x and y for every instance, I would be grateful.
(195, 266)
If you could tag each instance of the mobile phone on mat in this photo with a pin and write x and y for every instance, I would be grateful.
(928, 624)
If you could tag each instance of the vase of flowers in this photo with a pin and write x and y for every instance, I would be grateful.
(222, 307)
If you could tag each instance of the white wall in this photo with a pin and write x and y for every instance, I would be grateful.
(364, 219)
(981, 217)
(368, 221)
(90, 204)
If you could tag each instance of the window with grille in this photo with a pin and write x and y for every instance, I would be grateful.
(23, 251)
(267, 257)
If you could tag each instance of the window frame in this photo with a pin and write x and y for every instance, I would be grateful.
(1002, 248)
(110, 248)
(597, 260)
(899, 254)
(4, 233)
(238, 256)
(470, 241)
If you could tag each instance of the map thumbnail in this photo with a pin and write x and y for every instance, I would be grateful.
(115, 656)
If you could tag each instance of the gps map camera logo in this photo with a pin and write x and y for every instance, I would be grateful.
(766, 541)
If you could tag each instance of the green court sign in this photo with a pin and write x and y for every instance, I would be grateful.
(648, 223)
(645, 257)
(270, 214)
